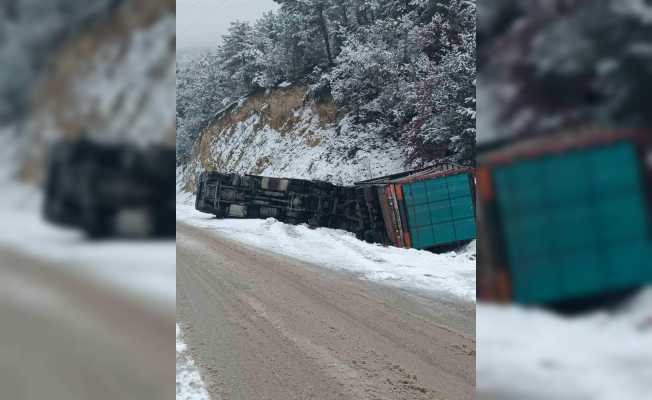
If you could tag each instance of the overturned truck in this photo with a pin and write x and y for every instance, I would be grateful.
(566, 217)
(431, 208)
(295, 201)
(111, 190)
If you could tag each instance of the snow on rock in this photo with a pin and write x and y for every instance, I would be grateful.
(189, 382)
(451, 273)
(113, 81)
(289, 156)
(132, 90)
(278, 134)
(323, 155)
(534, 354)
(183, 196)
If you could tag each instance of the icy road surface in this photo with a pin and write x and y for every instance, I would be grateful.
(450, 274)
(262, 325)
(528, 354)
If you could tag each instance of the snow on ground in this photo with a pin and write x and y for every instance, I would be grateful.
(189, 382)
(183, 197)
(533, 354)
(9, 148)
(145, 268)
(450, 273)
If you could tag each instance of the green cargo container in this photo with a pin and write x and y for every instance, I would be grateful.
(440, 210)
(575, 224)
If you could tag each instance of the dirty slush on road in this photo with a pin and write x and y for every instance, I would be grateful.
(264, 326)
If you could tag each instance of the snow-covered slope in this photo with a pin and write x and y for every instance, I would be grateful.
(113, 80)
(281, 133)
(527, 354)
(130, 91)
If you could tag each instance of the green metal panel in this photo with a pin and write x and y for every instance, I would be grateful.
(440, 210)
(465, 228)
(420, 215)
(576, 224)
(462, 207)
(574, 280)
(437, 190)
(458, 185)
(444, 233)
(424, 235)
(418, 193)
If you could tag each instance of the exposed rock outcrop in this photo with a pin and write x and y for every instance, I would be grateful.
(282, 132)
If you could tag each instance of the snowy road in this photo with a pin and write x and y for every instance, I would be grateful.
(262, 325)
(63, 336)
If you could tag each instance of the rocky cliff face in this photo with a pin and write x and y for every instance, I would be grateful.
(113, 80)
(281, 132)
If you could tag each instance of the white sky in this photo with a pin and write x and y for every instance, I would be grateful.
(200, 23)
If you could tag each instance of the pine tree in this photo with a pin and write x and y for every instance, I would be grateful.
(567, 63)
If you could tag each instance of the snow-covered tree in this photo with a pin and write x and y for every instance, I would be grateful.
(314, 12)
(444, 126)
(201, 92)
(556, 64)
(31, 30)
(401, 68)
(239, 57)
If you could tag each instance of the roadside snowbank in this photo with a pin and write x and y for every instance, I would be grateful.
(450, 273)
(533, 354)
(144, 268)
(189, 382)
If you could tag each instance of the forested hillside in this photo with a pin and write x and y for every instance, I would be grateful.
(30, 31)
(403, 70)
(102, 69)
(546, 65)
